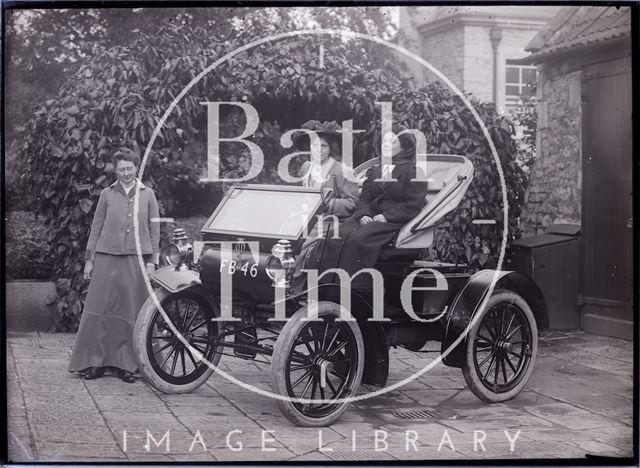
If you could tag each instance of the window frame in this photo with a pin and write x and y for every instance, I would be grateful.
(512, 101)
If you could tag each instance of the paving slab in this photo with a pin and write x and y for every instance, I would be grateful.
(619, 352)
(17, 451)
(621, 415)
(415, 384)
(597, 361)
(497, 422)
(56, 451)
(193, 400)
(279, 454)
(348, 455)
(85, 418)
(129, 403)
(192, 457)
(444, 382)
(523, 450)
(311, 457)
(605, 402)
(67, 433)
(309, 442)
(149, 457)
(428, 454)
(393, 398)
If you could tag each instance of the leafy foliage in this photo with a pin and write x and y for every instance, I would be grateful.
(46, 46)
(28, 255)
(118, 96)
(526, 117)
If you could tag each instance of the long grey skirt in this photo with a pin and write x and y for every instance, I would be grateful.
(116, 294)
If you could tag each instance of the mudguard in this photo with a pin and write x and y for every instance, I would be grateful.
(176, 281)
(466, 304)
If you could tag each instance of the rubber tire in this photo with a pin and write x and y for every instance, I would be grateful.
(281, 351)
(469, 372)
(140, 348)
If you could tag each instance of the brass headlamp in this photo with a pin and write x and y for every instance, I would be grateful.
(180, 252)
(281, 264)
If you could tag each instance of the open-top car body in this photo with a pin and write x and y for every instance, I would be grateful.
(232, 295)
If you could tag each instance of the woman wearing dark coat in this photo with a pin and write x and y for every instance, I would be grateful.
(117, 289)
(384, 207)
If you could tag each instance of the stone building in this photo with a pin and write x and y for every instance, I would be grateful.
(582, 171)
(476, 46)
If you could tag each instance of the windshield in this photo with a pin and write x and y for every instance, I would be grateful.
(265, 211)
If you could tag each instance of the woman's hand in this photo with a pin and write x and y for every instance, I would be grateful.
(365, 219)
(380, 218)
(88, 269)
(151, 267)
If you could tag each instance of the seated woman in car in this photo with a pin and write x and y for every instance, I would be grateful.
(345, 188)
(327, 170)
(383, 208)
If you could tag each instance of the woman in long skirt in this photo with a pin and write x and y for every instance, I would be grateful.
(117, 289)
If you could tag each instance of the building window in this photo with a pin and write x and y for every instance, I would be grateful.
(520, 81)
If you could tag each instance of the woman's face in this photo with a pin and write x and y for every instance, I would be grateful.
(325, 150)
(391, 144)
(125, 171)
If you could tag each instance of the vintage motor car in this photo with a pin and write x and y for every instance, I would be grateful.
(491, 333)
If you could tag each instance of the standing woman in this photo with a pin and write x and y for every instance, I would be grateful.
(117, 289)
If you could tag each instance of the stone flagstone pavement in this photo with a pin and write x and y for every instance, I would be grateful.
(578, 404)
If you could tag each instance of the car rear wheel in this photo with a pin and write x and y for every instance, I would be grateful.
(318, 360)
(501, 348)
(163, 359)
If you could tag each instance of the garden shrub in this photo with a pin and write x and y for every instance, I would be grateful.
(28, 255)
(526, 117)
(16, 194)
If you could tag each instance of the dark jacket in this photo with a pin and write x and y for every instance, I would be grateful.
(112, 230)
(399, 201)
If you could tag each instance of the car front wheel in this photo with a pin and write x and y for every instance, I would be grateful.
(163, 359)
(315, 363)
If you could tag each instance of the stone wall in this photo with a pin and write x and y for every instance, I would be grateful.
(478, 62)
(445, 51)
(554, 194)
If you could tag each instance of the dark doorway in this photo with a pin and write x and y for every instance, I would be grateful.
(606, 290)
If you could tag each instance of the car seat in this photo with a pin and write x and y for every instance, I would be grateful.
(448, 178)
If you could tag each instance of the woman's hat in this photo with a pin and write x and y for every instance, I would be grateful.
(329, 130)
(407, 141)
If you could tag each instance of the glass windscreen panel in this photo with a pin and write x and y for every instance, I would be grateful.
(273, 213)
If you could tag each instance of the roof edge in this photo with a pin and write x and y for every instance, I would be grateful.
(467, 19)
(548, 55)
(537, 42)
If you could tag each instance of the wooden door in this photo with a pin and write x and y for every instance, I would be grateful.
(606, 287)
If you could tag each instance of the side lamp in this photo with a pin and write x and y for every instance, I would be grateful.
(281, 264)
(180, 252)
